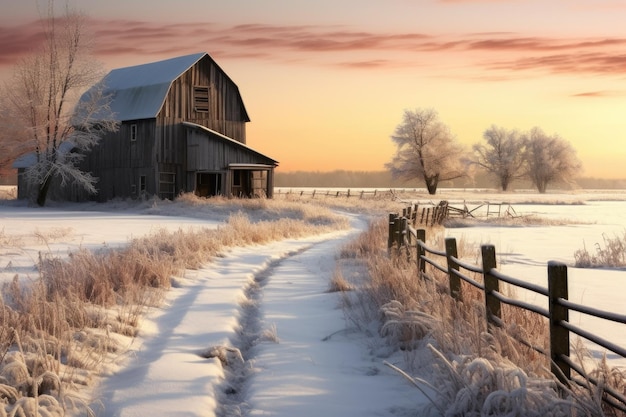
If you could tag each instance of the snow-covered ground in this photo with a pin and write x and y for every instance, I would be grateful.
(270, 304)
(295, 356)
(267, 303)
(27, 232)
(524, 252)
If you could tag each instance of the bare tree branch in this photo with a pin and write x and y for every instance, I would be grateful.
(42, 102)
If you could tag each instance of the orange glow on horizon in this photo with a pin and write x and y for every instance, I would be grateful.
(326, 91)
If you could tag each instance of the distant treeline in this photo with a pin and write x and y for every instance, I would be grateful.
(382, 179)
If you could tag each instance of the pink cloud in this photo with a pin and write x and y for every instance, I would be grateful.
(591, 94)
(477, 1)
(17, 41)
(372, 64)
(605, 63)
(336, 45)
(595, 94)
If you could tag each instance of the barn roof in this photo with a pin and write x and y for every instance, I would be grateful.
(30, 159)
(138, 92)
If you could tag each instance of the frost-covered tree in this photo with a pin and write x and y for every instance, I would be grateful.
(502, 155)
(41, 103)
(426, 149)
(549, 159)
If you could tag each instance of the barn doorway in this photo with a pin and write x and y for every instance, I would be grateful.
(208, 184)
(250, 183)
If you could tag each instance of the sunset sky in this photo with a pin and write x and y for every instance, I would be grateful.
(325, 82)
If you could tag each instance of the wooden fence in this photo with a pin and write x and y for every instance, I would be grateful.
(404, 238)
(425, 213)
(390, 193)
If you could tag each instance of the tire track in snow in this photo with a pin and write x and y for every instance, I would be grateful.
(165, 370)
(239, 357)
(234, 393)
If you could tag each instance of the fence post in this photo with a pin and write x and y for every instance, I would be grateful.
(393, 217)
(405, 227)
(421, 265)
(400, 230)
(559, 336)
(402, 237)
(492, 284)
(455, 281)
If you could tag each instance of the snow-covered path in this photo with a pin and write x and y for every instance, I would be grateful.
(277, 290)
(319, 367)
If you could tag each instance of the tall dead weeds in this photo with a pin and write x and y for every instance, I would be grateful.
(58, 328)
(413, 312)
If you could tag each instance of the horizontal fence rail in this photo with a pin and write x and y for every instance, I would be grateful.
(347, 193)
(404, 239)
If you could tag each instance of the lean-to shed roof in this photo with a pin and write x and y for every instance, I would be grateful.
(230, 141)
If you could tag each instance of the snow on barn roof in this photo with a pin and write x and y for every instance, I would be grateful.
(138, 92)
(30, 159)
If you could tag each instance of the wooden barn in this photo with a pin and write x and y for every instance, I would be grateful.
(182, 129)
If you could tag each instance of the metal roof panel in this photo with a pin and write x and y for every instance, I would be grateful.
(138, 92)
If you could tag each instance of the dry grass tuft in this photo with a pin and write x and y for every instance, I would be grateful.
(470, 385)
(8, 192)
(339, 283)
(9, 241)
(270, 334)
(610, 255)
(227, 355)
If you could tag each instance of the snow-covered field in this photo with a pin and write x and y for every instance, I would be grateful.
(303, 358)
(523, 252)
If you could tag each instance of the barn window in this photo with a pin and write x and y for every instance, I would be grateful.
(133, 132)
(237, 178)
(167, 185)
(201, 98)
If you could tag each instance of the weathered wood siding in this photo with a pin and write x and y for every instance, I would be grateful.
(226, 114)
(118, 162)
(209, 152)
